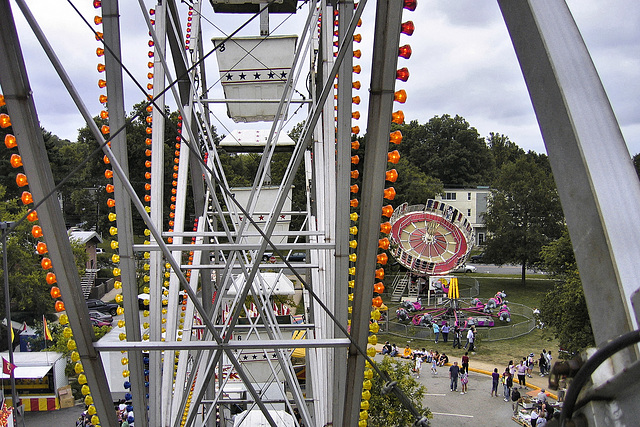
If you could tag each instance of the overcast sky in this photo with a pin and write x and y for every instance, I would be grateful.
(463, 63)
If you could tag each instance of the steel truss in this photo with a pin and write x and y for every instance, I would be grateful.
(187, 375)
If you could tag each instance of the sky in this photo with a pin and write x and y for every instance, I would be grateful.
(463, 63)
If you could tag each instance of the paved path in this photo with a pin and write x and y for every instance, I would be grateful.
(475, 408)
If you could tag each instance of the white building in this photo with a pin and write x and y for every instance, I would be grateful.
(472, 202)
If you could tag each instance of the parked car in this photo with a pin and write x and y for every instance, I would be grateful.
(297, 256)
(101, 316)
(464, 269)
(477, 258)
(102, 307)
(99, 323)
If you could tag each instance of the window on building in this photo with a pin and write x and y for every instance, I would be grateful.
(449, 196)
(468, 196)
(481, 238)
(468, 212)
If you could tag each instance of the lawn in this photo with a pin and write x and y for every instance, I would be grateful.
(496, 352)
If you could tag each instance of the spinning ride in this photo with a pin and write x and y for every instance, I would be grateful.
(430, 239)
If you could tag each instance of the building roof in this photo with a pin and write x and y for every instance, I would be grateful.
(84, 237)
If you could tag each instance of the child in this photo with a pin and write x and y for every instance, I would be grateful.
(495, 377)
(433, 366)
(418, 366)
(464, 380)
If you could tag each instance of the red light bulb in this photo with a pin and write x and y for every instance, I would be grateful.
(407, 28)
(402, 74)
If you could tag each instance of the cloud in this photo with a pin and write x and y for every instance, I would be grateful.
(463, 63)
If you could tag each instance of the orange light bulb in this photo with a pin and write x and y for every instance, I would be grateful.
(104, 129)
(353, 203)
(51, 278)
(355, 159)
(10, 141)
(355, 130)
(32, 216)
(111, 203)
(385, 227)
(357, 69)
(380, 274)
(398, 117)
(97, 20)
(102, 83)
(5, 121)
(99, 36)
(395, 137)
(46, 263)
(2, 101)
(59, 306)
(357, 53)
(36, 231)
(354, 188)
(104, 114)
(356, 100)
(109, 188)
(382, 259)
(101, 68)
(378, 287)
(387, 211)
(100, 52)
(356, 85)
(106, 160)
(21, 180)
(393, 157)
(16, 160)
(392, 175)
(26, 198)
(357, 38)
(355, 145)
(102, 99)
(389, 193)
(400, 96)
(355, 174)
(41, 248)
(383, 243)
(55, 292)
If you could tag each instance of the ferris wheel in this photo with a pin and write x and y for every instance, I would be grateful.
(430, 239)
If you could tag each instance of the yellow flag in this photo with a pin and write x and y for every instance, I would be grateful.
(12, 334)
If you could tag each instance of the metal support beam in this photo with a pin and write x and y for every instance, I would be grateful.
(342, 221)
(591, 165)
(26, 127)
(594, 174)
(383, 77)
(117, 115)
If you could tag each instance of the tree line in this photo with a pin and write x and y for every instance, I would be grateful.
(524, 220)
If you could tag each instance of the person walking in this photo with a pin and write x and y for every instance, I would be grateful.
(471, 336)
(434, 364)
(465, 362)
(515, 396)
(456, 337)
(495, 378)
(507, 383)
(445, 332)
(464, 380)
(530, 364)
(436, 330)
(542, 364)
(454, 371)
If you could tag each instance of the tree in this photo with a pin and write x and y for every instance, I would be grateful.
(386, 409)
(523, 212)
(565, 309)
(448, 149)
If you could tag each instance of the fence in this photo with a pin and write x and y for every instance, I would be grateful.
(496, 333)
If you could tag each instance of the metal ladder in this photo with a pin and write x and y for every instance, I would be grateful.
(399, 285)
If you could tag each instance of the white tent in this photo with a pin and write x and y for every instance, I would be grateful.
(274, 284)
